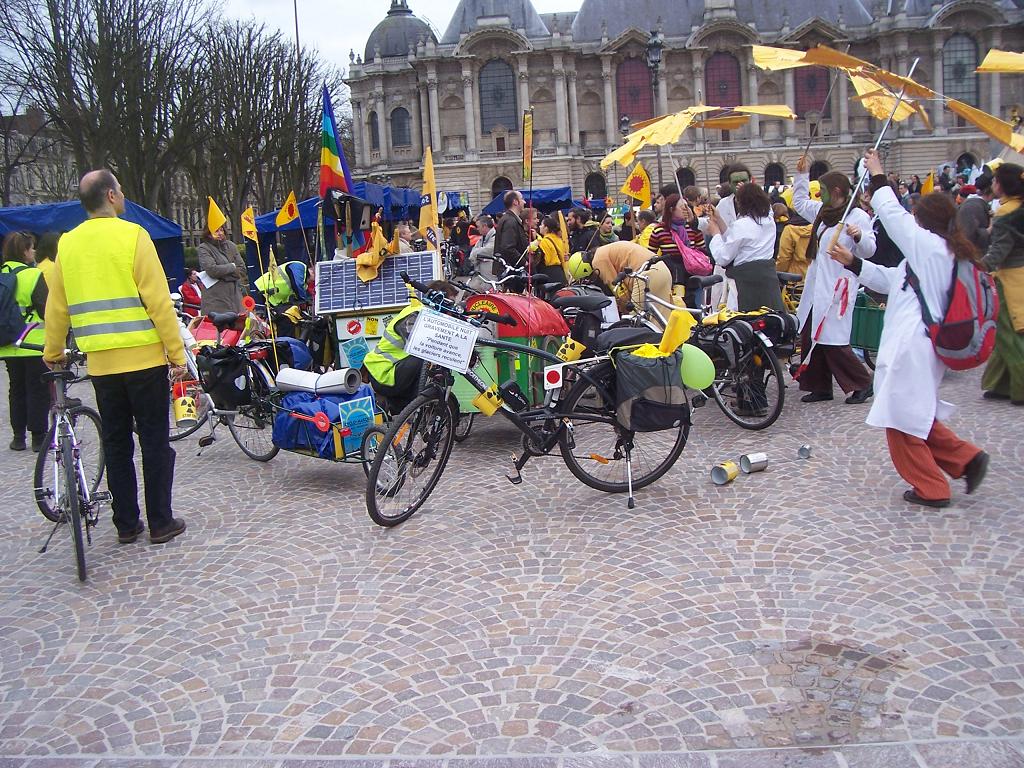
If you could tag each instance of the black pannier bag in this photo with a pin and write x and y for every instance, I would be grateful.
(222, 371)
(650, 395)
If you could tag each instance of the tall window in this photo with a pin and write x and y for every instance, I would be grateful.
(498, 97)
(818, 168)
(811, 88)
(500, 185)
(774, 173)
(595, 186)
(374, 131)
(401, 133)
(686, 177)
(959, 59)
(722, 80)
(634, 91)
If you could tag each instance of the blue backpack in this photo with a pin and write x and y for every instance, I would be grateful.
(12, 315)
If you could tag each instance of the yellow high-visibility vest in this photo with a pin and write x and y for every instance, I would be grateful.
(390, 349)
(27, 278)
(97, 261)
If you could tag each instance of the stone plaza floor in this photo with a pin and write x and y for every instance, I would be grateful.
(804, 617)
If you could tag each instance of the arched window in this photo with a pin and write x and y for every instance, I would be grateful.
(818, 167)
(634, 93)
(723, 175)
(811, 89)
(401, 133)
(774, 173)
(965, 162)
(498, 97)
(499, 186)
(374, 131)
(722, 80)
(959, 59)
(686, 177)
(595, 186)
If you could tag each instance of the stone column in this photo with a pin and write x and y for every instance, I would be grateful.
(610, 118)
(790, 81)
(902, 65)
(468, 110)
(574, 112)
(995, 105)
(697, 70)
(382, 130)
(414, 129)
(843, 89)
(561, 107)
(435, 116)
(424, 117)
(357, 135)
(524, 83)
(661, 107)
(755, 120)
(938, 111)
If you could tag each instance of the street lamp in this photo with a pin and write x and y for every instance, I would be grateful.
(655, 46)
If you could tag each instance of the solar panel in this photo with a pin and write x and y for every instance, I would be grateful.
(339, 289)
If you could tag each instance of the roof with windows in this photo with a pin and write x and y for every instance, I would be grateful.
(399, 31)
(472, 15)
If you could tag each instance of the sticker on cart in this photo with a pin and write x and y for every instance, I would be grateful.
(354, 327)
(552, 377)
(371, 326)
(355, 351)
(443, 340)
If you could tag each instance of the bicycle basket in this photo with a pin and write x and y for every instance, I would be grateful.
(222, 371)
(650, 392)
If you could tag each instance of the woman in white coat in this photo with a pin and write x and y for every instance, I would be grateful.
(908, 372)
(830, 290)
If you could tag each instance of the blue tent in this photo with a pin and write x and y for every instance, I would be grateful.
(544, 200)
(61, 217)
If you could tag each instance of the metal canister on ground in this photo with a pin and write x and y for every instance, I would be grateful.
(753, 462)
(724, 473)
(804, 451)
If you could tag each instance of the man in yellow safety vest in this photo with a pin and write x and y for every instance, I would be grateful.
(110, 288)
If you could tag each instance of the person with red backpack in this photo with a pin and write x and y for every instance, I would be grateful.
(913, 354)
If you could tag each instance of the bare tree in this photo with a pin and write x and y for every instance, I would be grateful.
(25, 138)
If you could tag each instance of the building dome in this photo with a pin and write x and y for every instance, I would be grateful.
(399, 30)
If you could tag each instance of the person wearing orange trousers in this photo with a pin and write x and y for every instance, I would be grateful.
(908, 372)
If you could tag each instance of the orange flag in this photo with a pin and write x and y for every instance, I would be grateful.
(289, 211)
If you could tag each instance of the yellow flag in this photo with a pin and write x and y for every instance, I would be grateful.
(929, 184)
(394, 246)
(289, 211)
(368, 262)
(215, 218)
(428, 202)
(249, 224)
(272, 264)
(1002, 61)
(638, 185)
(563, 229)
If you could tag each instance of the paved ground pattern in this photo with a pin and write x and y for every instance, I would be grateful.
(802, 617)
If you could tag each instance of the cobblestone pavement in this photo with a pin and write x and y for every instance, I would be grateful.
(802, 617)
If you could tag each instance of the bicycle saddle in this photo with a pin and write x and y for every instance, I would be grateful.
(540, 279)
(624, 337)
(696, 282)
(789, 277)
(61, 374)
(223, 320)
(586, 303)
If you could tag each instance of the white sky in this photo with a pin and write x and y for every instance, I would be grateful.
(335, 26)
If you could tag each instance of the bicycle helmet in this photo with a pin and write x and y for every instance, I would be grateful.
(579, 265)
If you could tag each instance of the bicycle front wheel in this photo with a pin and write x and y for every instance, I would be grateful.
(71, 502)
(410, 459)
(752, 392)
(86, 424)
(595, 451)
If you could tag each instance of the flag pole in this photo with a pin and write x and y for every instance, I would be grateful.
(704, 140)
(270, 320)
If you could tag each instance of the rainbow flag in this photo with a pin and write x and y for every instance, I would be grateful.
(334, 172)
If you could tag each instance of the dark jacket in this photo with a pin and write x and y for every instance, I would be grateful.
(1006, 250)
(222, 261)
(511, 240)
(973, 219)
(585, 238)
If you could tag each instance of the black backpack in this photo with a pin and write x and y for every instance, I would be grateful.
(12, 315)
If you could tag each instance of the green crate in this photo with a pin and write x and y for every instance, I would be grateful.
(868, 317)
(486, 369)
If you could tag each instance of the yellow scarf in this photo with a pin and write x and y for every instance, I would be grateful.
(1008, 205)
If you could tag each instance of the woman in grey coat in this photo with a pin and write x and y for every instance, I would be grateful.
(219, 259)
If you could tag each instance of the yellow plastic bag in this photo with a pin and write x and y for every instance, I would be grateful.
(680, 326)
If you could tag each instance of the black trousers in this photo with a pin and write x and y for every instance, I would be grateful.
(140, 398)
(406, 386)
(29, 397)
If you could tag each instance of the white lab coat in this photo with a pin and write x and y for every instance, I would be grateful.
(907, 372)
(820, 284)
(727, 210)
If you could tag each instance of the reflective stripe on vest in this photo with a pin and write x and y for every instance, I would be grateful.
(390, 349)
(97, 261)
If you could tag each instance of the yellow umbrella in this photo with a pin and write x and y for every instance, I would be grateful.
(768, 110)
(1000, 130)
(1002, 61)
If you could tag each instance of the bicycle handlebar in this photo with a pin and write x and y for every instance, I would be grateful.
(503, 319)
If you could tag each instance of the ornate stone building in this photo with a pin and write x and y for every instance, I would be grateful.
(586, 72)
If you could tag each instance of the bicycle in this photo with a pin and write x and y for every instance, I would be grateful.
(72, 497)
(411, 455)
(748, 385)
(189, 387)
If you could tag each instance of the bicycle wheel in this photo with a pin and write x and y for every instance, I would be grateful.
(418, 445)
(86, 424)
(464, 426)
(252, 425)
(193, 389)
(595, 451)
(371, 441)
(752, 392)
(71, 502)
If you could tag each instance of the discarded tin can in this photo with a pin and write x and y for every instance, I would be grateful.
(804, 451)
(724, 473)
(753, 462)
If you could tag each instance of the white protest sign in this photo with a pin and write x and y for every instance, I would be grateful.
(444, 340)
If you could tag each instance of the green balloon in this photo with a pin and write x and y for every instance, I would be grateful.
(697, 370)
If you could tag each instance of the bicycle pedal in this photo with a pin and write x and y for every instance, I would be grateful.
(699, 400)
(206, 441)
(102, 497)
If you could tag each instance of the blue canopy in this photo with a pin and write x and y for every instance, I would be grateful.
(544, 200)
(61, 217)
